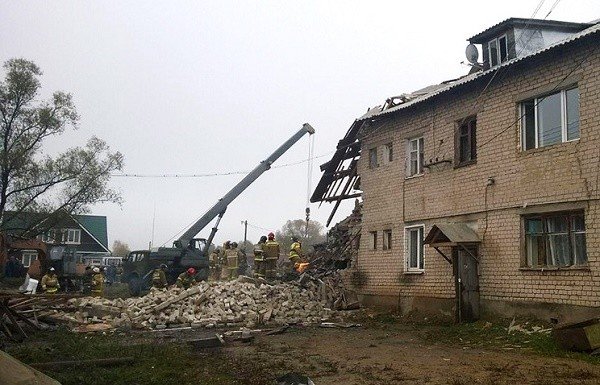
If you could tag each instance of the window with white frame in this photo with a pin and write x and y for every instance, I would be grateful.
(373, 239)
(550, 119)
(415, 156)
(72, 236)
(28, 256)
(387, 239)
(555, 239)
(413, 238)
(388, 153)
(373, 158)
(498, 51)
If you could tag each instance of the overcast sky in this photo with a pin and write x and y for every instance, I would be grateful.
(185, 87)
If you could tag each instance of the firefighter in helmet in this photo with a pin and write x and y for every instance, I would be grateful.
(187, 278)
(97, 282)
(271, 255)
(50, 283)
(159, 277)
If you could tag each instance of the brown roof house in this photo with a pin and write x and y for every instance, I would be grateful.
(481, 194)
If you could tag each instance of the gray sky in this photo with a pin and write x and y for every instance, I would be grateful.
(184, 87)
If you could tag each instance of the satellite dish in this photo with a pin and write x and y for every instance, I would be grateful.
(472, 53)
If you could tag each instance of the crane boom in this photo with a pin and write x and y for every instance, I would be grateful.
(219, 208)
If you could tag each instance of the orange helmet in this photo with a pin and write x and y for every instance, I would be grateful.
(191, 271)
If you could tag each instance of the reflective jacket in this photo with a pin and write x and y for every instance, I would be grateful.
(50, 283)
(271, 250)
(159, 278)
(97, 283)
(185, 280)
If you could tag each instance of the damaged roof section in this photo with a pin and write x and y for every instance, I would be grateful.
(340, 177)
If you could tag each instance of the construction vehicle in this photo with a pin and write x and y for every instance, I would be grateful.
(188, 251)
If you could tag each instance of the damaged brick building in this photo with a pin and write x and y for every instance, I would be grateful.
(481, 194)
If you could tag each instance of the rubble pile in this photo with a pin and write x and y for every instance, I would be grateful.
(244, 302)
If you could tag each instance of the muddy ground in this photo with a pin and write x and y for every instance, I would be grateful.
(385, 350)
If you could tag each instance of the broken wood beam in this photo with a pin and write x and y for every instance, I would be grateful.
(97, 362)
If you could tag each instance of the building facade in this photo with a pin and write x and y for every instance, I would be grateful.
(482, 194)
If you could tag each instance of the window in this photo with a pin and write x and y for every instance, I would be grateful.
(555, 240)
(550, 119)
(373, 235)
(413, 238)
(373, 158)
(27, 257)
(466, 142)
(388, 153)
(387, 239)
(415, 157)
(498, 51)
(71, 236)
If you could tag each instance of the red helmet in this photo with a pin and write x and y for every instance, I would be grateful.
(271, 235)
(191, 271)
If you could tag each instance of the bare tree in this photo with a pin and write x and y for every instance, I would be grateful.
(297, 228)
(31, 182)
(120, 249)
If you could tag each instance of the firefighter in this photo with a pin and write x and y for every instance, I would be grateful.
(159, 278)
(215, 265)
(186, 279)
(242, 260)
(297, 256)
(232, 260)
(271, 255)
(97, 283)
(50, 283)
(223, 261)
(259, 255)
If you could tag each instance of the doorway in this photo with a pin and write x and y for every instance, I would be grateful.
(466, 282)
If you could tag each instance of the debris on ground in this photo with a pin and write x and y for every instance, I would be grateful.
(526, 328)
(294, 379)
(578, 336)
(14, 372)
(243, 302)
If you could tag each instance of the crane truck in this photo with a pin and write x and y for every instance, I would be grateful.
(188, 251)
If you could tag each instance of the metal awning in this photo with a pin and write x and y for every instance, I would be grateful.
(451, 234)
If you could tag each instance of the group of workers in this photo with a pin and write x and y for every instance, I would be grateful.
(226, 263)
(94, 277)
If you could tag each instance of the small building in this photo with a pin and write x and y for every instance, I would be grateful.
(74, 239)
(481, 194)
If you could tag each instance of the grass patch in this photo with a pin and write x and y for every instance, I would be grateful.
(486, 335)
(155, 362)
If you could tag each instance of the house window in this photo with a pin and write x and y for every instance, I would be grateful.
(466, 142)
(415, 156)
(28, 256)
(387, 239)
(71, 236)
(388, 153)
(373, 158)
(555, 240)
(413, 237)
(498, 51)
(550, 119)
(373, 235)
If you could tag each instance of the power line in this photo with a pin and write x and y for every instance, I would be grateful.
(205, 175)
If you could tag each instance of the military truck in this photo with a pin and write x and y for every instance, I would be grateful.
(188, 251)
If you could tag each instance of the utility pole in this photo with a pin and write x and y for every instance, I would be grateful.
(245, 223)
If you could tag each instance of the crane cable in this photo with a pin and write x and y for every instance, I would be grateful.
(311, 150)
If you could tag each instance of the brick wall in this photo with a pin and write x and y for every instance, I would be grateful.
(546, 178)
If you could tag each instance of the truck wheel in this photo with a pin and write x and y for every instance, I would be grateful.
(135, 286)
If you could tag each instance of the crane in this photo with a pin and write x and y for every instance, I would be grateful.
(189, 251)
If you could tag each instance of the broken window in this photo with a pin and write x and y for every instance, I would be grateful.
(498, 51)
(414, 248)
(388, 153)
(555, 240)
(466, 142)
(550, 119)
(373, 158)
(373, 235)
(415, 157)
(387, 239)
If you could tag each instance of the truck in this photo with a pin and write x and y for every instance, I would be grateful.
(189, 251)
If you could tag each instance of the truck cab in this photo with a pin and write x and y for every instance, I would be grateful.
(139, 264)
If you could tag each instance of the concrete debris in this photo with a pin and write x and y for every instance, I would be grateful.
(526, 329)
(245, 302)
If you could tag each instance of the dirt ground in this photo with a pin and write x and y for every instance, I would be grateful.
(384, 350)
(398, 355)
